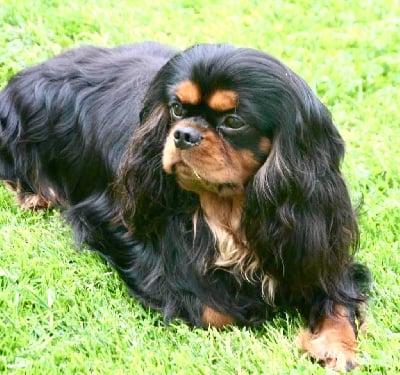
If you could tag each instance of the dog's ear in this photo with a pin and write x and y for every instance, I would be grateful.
(146, 194)
(298, 214)
(141, 180)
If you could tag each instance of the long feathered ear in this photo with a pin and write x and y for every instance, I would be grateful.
(146, 194)
(298, 215)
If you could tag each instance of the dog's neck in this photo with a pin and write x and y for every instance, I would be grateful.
(223, 212)
(224, 218)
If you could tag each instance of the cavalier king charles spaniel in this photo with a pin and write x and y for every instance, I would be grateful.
(209, 179)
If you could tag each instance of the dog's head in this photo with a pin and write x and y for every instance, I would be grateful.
(236, 121)
(221, 125)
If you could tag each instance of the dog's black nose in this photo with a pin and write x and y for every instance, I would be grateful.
(186, 137)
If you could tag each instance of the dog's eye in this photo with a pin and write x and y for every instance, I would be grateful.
(177, 110)
(233, 122)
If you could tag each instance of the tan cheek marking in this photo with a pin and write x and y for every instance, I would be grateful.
(210, 150)
(244, 164)
(220, 163)
(223, 100)
(215, 319)
(214, 160)
(188, 93)
(265, 145)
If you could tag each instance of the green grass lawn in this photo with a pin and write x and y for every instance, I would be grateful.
(67, 312)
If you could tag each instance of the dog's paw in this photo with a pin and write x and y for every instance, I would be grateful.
(30, 201)
(331, 349)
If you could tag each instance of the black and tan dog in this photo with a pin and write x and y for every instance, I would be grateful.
(209, 179)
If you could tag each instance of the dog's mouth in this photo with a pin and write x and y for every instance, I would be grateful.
(185, 171)
(188, 175)
(189, 178)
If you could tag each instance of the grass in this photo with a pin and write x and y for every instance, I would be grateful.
(67, 312)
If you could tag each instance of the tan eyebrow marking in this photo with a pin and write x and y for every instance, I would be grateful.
(223, 100)
(188, 93)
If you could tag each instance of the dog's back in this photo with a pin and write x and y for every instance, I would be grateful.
(68, 120)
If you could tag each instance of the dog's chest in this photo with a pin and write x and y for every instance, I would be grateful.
(224, 219)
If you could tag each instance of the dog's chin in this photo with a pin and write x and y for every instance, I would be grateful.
(190, 179)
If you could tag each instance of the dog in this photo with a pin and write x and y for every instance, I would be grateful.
(208, 178)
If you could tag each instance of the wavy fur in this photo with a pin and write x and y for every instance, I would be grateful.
(86, 132)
